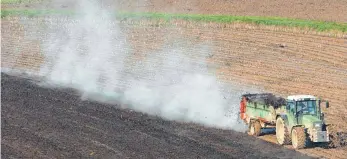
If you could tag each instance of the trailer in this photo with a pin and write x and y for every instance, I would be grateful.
(298, 119)
(260, 110)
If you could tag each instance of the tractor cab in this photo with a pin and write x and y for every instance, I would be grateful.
(305, 105)
(305, 110)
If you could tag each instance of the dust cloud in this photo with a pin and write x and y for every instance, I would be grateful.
(91, 54)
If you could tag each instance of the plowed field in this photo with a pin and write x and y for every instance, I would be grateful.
(43, 123)
(282, 61)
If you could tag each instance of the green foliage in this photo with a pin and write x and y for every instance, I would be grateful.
(32, 12)
(274, 21)
(10, 1)
(18, 1)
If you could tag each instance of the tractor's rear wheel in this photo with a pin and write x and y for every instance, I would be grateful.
(255, 128)
(282, 133)
(299, 138)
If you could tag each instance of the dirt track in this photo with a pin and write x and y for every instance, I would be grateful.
(44, 123)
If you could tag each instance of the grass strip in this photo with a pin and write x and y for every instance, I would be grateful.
(19, 1)
(33, 12)
(11, 1)
(274, 21)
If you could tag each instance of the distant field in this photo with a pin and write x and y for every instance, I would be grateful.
(321, 10)
(32, 12)
(275, 21)
(12, 1)
(19, 1)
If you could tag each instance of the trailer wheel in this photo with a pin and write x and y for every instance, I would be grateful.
(282, 133)
(255, 128)
(299, 138)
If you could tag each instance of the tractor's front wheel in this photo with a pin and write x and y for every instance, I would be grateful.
(299, 138)
(282, 133)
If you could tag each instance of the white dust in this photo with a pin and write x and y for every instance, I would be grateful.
(91, 54)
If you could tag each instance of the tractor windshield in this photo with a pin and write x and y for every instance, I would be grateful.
(307, 107)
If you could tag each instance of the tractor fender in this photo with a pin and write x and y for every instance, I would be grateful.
(294, 126)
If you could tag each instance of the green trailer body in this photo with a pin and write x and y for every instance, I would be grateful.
(263, 107)
(261, 111)
(297, 119)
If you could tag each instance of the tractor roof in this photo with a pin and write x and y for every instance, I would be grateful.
(301, 97)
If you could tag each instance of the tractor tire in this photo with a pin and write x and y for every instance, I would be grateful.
(299, 138)
(254, 128)
(282, 133)
(333, 137)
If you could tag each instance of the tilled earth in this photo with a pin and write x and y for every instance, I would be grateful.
(46, 125)
(39, 122)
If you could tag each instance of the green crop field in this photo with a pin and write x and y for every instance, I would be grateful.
(18, 1)
(32, 12)
(275, 21)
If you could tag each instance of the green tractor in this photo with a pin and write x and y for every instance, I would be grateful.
(298, 119)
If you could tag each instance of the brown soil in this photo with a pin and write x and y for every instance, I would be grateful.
(312, 9)
(38, 122)
(281, 61)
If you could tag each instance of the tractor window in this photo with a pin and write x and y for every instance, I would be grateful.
(291, 107)
(307, 107)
